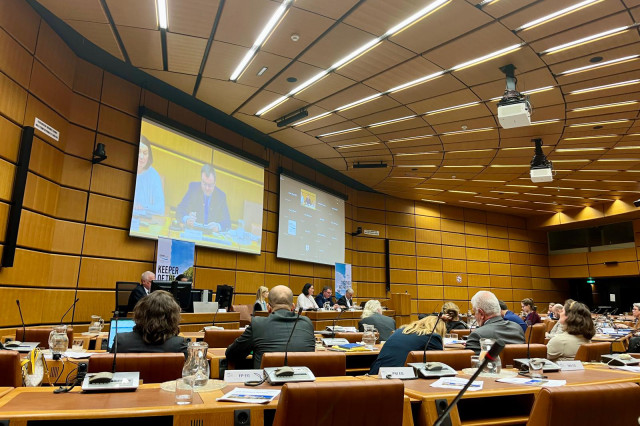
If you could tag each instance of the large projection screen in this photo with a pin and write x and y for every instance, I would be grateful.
(189, 190)
(311, 223)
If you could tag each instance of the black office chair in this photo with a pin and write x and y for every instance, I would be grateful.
(123, 290)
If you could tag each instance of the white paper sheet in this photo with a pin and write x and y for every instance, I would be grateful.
(250, 396)
(456, 383)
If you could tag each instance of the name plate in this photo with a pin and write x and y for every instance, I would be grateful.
(241, 376)
(402, 373)
(570, 365)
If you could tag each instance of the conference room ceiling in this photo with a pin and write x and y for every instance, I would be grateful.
(424, 98)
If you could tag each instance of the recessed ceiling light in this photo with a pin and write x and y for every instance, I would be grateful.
(291, 79)
(262, 71)
(163, 18)
(596, 59)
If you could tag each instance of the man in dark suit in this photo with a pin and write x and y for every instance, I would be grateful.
(326, 296)
(204, 205)
(270, 334)
(491, 325)
(141, 289)
(346, 301)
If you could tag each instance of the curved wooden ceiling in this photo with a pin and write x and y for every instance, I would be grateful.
(440, 136)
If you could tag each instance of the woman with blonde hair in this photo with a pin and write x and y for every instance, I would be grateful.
(451, 317)
(372, 315)
(261, 299)
(413, 337)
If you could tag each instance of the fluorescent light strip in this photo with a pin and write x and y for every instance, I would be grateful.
(602, 199)
(435, 178)
(358, 102)
(338, 132)
(628, 147)
(459, 132)
(163, 18)
(415, 18)
(521, 186)
(515, 201)
(488, 57)
(508, 165)
(599, 123)
(572, 161)
(537, 195)
(461, 167)
(359, 51)
(433, 201)
(555, 15)
(488, 181)
(469, 202)
(507, 192)
(486, 198)
(471, 150)
(486, 2)
(597, 171)
(271, 24)
(405, 154)
(527, 92)
(606, 86)
(272, 105)
(462, 192)
(611, 105)
(410, 138)
(599, 65)
(356, 145)
(612, 160)
(395, 120)
(578, 149)
(584, 40)
(620, 181)
(591, 137)
(309, 120)
(438, 111)
(552, 120)
(569, 196)
(415, 82)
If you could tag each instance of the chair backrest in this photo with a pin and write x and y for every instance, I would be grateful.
(245, 313)
(592, 351)
(153, 367)
(514, 351)
(221, 338)
(345, 403)
(321, 364)
(123, 291)
(588, 405)
(462, 332)
(10, 370)
(456, 359)
(33, 334)
(354, 337)
(550, 324)
(537, 333)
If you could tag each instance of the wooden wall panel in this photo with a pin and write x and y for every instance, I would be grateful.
(96, 273)
(15, 60)
(7, 172)
(50, 89)
(13, 99)
(109, 211)
(116, 243)
(39, 269)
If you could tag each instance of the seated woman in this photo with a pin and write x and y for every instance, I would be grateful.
(157, 317)
(578, 329)
(557, 327)
(372, 315)
(413, 337)
(634, 342)
(451, 317)
(306, 299)
(261, 299)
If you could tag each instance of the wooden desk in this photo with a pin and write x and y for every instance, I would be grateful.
(619, 345)
(499, 403)
(196, 322)
(21, 405)
(323, 319)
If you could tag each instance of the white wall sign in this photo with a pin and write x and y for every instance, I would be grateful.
(46, 129)
(371, 232)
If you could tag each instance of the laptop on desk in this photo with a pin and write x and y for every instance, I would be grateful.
(125, 325)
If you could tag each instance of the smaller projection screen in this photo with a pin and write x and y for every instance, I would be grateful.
(189, 190)
(311, 223)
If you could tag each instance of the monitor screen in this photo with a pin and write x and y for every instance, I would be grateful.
(311, 223)
(125, 325)
(187, 189)
(181, 291)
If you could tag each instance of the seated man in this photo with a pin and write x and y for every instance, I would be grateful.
(270, 334)
(510, 316)
(346, 301)
(491, 325)
(141, 289)
(325, 297)
(372, 315)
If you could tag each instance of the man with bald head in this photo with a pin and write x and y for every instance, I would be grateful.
(270, 334)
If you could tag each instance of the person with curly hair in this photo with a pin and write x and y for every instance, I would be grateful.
(578, 329)
(157, 318)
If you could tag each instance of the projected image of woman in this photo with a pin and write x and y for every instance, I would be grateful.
(149, 195)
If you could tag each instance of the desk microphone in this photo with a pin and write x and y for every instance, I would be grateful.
(214, 316)
(333, 329)
(115, 345)
(492, 355)
(424, 352)
(24, 328)
(285, 370)
(73, 305)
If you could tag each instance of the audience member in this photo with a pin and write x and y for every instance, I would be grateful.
(157, 319)
(634, 342)
(141, 289)
(491, 325)
(183, 278)
(372, 315)
(510, 316)
(413, 337)
(346, 301)
(529, 311)
(306, 299)
(578, 329)
(557, 327)
(451, 317)
(326, 297)
(261, 299)
(550, 313)
(270, 334)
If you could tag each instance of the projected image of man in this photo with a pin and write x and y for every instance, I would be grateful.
(204, 205)
(149, 196)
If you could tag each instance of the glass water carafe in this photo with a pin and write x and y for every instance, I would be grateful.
(493, 367)
(197, 364)
(369, 336)
(96, 324)
(58, 339)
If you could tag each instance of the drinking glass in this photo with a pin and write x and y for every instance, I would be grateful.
(184, 390)
(475, 361)
(536, 367)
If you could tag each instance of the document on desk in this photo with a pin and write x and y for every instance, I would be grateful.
(456, 383)
(250, 396)
(626, 368)
(70, 354)
(532, 382)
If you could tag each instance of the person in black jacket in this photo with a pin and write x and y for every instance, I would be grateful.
(451, 317)
(346, 301)
(141, 289)
(372, 315)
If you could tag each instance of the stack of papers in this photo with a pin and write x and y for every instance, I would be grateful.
(532, 382)
(351, 347)
(250, 396)
(456, 383)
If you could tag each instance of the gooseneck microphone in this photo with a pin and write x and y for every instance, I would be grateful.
(424, 352)
(525, 367)
(493, 353)
(115, 343)
(24, 328)
(285, 370)
(333, 328)
(214, 317)
(72, 306)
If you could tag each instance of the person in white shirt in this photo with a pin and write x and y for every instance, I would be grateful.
(306, 299)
